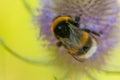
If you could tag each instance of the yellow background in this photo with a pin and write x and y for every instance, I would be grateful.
(18, 32)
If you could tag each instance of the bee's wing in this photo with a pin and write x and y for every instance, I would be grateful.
(74, 31)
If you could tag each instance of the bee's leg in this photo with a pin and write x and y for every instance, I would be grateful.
(90, 31)
(59, 43)
(77, 20)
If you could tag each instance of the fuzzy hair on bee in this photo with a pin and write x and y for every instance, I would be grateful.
(78, 42)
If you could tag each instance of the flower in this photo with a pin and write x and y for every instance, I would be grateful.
(19, 39)
(97, 15)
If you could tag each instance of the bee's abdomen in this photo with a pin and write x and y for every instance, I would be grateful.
(72, 51)
(85, 48)
(84, 43)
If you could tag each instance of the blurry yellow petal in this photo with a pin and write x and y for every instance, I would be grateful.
(18, 32)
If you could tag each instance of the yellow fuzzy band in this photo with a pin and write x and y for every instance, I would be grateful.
(58, 20)
(84, 38)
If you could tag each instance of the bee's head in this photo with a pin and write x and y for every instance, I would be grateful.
(60, 26)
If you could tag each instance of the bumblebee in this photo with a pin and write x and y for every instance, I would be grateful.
(79, 43)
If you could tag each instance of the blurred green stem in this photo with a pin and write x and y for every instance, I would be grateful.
(18, 55)
(28, 8)
(111, 72)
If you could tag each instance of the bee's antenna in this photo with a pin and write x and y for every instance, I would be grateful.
(77, 18)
